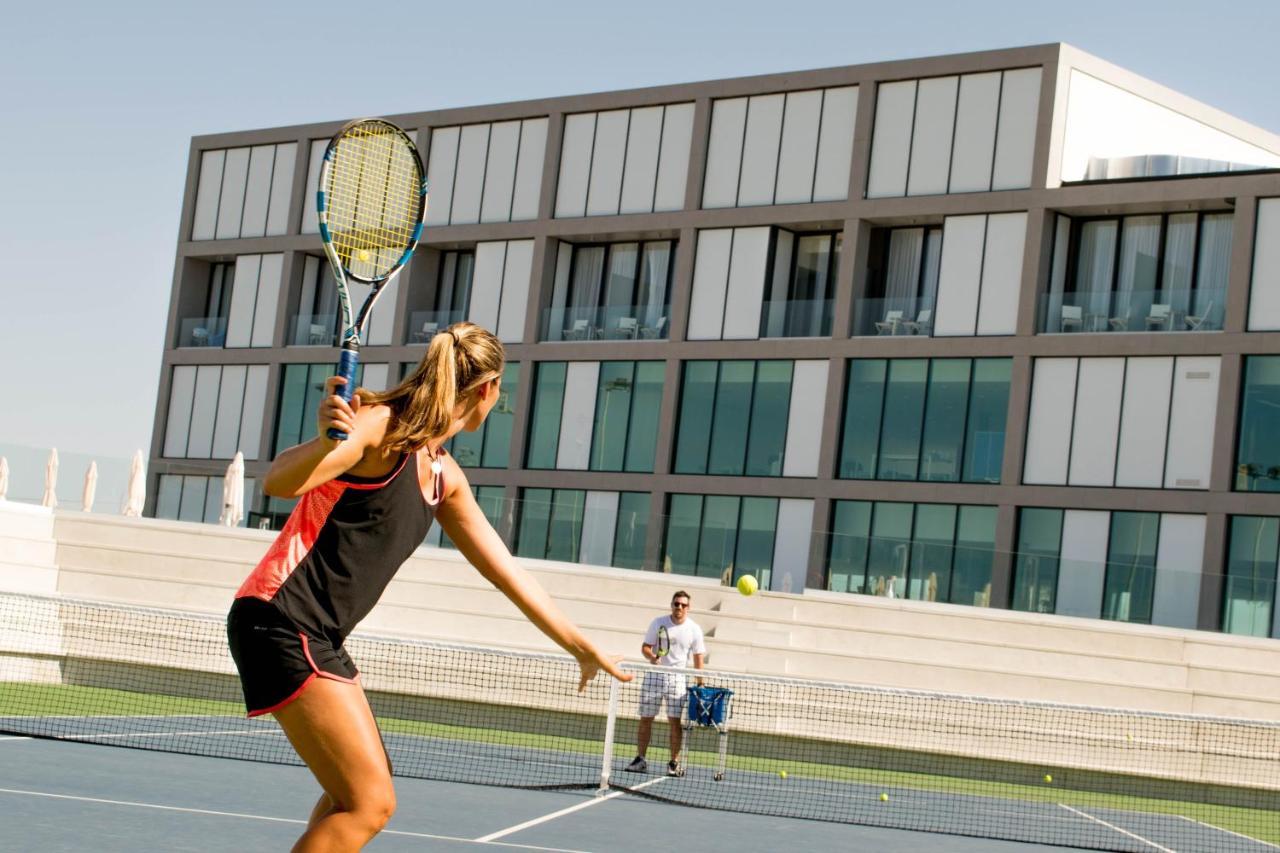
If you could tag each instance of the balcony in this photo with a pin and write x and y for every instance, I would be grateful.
(910, 315)
(796, 318)
(1183, 310)
(611, 323)
(423, 325)
(202, 332)
(313, 330)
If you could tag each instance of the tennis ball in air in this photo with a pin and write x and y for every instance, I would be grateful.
(1048, 780)
(363, 254)
(747, 585)
(884, 798)
(782, 774)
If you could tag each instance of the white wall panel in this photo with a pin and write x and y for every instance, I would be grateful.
(235, 173)
(1191, 417)
(960, 277)
(1001, 273)
(1082, 567)
(528, 186)
(309, 219)
(486, 284)
(578, 415)
(605, 186)
(748, 263)
(515, 291)
(891, 140)
(500, 172)
(473, 152)
(251, 423)
(257, 191)
(804, 421)
(375, 377)
(640, 172)
(244, 298)
(1053, 392)
(791, 545)
(835, 144)
(710, 280)
(599, 522)
(203, 411)
(975, 137)
(226, 428)
(1016, 131)
(1099, 389)
(575, 164)
(281, 189)
(181, 394)
(724, 152)
(798, 156)
(760, 150)
(440, 174)
(931, 137)
(1264, 292)
(208, 191)
(1179, 562)
(264, 312)
(673, 159)
(1145, 422)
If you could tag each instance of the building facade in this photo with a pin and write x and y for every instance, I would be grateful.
(996, 329)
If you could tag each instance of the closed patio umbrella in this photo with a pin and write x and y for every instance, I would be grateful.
(90, 486)
(4, 477)
(50, 498)
(233, 492)
(137, 491)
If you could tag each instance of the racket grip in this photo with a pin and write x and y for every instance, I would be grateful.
(347, 361)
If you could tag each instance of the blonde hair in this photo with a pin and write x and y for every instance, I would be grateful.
(459, 360)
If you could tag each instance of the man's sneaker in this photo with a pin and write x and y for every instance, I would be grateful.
(638, 765)
(674, 768)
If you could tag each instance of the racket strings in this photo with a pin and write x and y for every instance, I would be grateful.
(374, 199)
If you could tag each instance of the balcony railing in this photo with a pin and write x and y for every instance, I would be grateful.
(423, 325)
(313, 330)
(612, 323)
(1197, 310)
(796, 318)
(202, 332)
(898, 316)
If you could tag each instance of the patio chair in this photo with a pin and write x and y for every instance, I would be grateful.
(199, 337)
(654, 331)
(921, 325)
(578, 332)
(626, 327)
(318, 334)
(1200, 322)
(1072, 317)
(1160, 316)
(426, 333)
(891, 323)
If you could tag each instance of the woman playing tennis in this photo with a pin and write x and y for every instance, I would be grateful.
(364, 505)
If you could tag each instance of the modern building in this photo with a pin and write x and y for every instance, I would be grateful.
(997, 329)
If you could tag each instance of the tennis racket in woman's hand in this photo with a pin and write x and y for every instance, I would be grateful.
(371, 202)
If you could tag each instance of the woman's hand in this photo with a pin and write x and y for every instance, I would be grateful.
(591, 662)
(335, 412)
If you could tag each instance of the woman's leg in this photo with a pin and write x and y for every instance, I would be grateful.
(333, 730)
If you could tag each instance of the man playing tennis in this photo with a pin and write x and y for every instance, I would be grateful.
(670, 641)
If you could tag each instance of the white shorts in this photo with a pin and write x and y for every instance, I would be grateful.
(660, 689)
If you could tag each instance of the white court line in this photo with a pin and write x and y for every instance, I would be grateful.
(1117, 829)
(121, 735)
(269, 818)
(16, 737)
(571, 809)
(1229, 832)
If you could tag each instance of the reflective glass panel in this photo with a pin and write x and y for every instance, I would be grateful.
(988, 411)
(631, 530)
(903, 410)
(1249, 599)
(1131, 567)
(548, 406)
(850, 532)
(864, 399)
(1035, 573)
(1258, 453)
(697, 405)
(770, 407)
(945, 410)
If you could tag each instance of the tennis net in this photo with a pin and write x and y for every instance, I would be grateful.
(1076, 776)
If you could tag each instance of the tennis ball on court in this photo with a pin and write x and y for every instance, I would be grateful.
(884, 798)
(1048, 780)
(782, 774)
(747, 585)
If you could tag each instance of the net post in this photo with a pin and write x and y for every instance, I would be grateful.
(606, 760)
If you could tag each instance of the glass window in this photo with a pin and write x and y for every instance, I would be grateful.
(453, 295)
(551, 524)
(1035, 574)
(929, 577)
(850, 533)
(1258, 453)
(890, 549)
(731, 424)
(646, 407)
(548, 405)
(903, 411)
(988, 410)
(770, 407)
(497, 427)
(974, 556)
(618, 290)
(535, 521)
(613, 407)
(1249, 598)
(697, 406)
(718, 537)
(902, 282)
(301, 390)
(1131, 567)
(945, 410)
(721, 536)
(756, 539)
(863, 403)
(631, 530)
(684, 522)
(808, 306)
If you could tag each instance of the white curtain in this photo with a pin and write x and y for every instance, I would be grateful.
(1135, 285)
(1215, 263)
(584, 290)
(932, 267)
(1179, 255)
(1096, 263)
(652, 293)
(902, 278)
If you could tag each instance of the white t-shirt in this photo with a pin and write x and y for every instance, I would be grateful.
(684, 640)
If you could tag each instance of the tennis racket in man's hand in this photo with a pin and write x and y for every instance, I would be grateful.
(664, 643)
(371, 200)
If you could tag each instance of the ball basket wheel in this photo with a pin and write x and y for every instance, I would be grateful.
(719, 777)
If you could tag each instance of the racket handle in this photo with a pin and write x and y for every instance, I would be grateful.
(347, 362)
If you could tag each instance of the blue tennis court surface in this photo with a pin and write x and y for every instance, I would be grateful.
(76, 796)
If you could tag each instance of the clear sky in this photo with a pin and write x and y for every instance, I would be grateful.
(100, 100)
